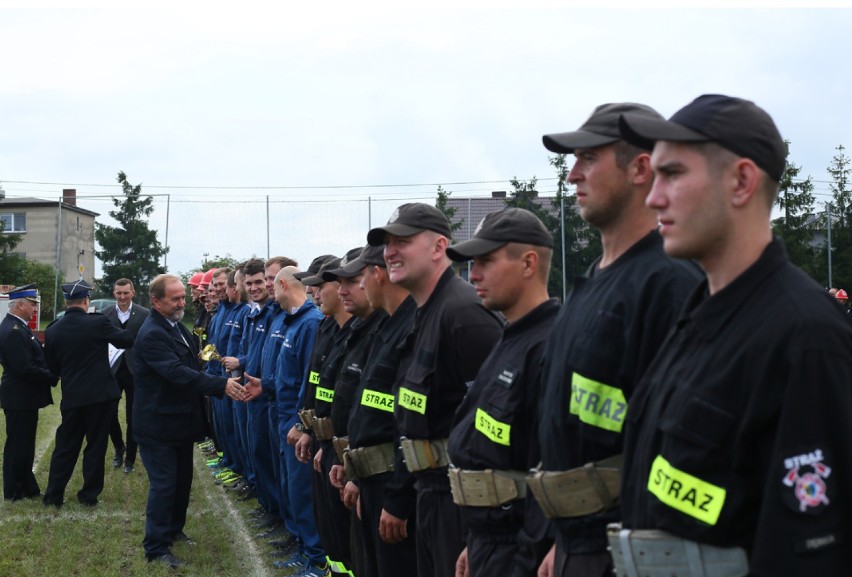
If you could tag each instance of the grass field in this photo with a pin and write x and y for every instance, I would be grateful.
(106, 541)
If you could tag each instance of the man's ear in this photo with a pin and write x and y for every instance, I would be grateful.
(745, 181)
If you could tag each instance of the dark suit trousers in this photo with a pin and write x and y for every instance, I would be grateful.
(170, 482)
(125, 381)
(19, 454)
(91, 422)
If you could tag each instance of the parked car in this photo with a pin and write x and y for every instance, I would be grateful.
(95, 306)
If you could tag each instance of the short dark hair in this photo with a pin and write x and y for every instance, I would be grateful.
(125, 282)
(221, 271)
(254, 266)
(625, 152)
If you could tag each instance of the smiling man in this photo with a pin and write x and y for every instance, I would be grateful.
(738, 445)
(608, 330)
(452, 335)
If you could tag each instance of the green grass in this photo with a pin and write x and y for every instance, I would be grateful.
(106, 541)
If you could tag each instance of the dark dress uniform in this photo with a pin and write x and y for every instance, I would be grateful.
(371, 423)
(452, 335)
(24, 389)
(346, 384)
(123, 371)
(76, 350)
(606, 335)
(168, 420)
(331, 516)
(740, 435)
(496, 428)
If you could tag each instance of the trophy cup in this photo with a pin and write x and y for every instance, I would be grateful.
(209, 353)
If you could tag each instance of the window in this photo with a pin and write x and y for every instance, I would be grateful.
(14, 222)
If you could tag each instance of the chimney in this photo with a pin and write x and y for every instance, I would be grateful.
(498, 194)
(69, 196)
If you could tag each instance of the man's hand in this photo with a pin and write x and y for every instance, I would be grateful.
(318, 461)
(351, 493)
(293, 435)
(546, 567)
(235, 390)
(392, 529)
(337, 477)
(303, 449)
(461, 565)
(253, 388)
(230, 363)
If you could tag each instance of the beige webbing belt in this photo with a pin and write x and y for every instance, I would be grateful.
(652, 553)
(322, 428)
(422, 454)
(589, 489)
(365, 462)
(488, 488)
(307, 418)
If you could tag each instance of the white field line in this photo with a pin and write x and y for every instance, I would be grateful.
(237, 524)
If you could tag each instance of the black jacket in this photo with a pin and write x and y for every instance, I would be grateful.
(168, 380)
(26, 380)
(138, 314)
(76, 350)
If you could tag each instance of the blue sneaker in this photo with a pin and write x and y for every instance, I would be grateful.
(295, 561)
(315, 571)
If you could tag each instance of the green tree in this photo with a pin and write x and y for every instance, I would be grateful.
(841, 223)
(449, 212)
(130, 250)
(799, 223)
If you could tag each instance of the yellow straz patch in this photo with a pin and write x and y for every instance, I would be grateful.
(492, 428)
(325, 395)
(313, 378)
(685, 493)
(597, 404)
(412, 401)
(377, 400)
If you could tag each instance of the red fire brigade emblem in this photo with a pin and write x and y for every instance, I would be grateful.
(806, 474)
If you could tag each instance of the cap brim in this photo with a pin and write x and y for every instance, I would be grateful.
(568, 142)
(377, 236)
(643, 132)
(302, 275)
(313, 280)
(472, 248)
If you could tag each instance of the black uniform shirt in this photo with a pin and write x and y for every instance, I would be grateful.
(740, 434)
(604, 338)
(495, 423)
(351, 368)
(371, 423)
(26, 381)
(324, 395)
(322, 345)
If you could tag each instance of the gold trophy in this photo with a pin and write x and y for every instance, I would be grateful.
(209, 353)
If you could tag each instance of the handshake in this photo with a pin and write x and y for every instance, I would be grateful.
(238, 392)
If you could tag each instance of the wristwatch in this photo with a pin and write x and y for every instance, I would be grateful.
(300, 427)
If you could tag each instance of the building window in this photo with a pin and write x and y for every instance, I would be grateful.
(14, 222)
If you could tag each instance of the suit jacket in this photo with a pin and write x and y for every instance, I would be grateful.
(138, 314)
(169, 383)
(26, 381)
(76, 349)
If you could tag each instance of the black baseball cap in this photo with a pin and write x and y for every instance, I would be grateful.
(317, 279)
(314, 267)
(408, 220)
(499, 229)
(370, 256)
(600, 129)
(349, 266)
(737, 125)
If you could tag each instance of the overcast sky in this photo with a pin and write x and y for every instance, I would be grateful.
(281, 99)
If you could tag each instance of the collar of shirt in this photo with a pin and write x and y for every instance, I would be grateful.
(123, 316)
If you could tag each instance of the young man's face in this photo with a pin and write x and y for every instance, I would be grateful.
(123, 295)
(353, 297)
(690, 202)
(269, 277)
(256, 287)
(219, 286)
(410, 258)
(602, 187)
(498, 279)
(329, 301)
(372, 287)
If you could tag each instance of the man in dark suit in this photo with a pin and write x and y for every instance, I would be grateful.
(24, 389)
(76, 347)
(127, 315)
(167, 414)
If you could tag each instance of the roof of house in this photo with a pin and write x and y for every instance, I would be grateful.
(23, 202)
(470, 212)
